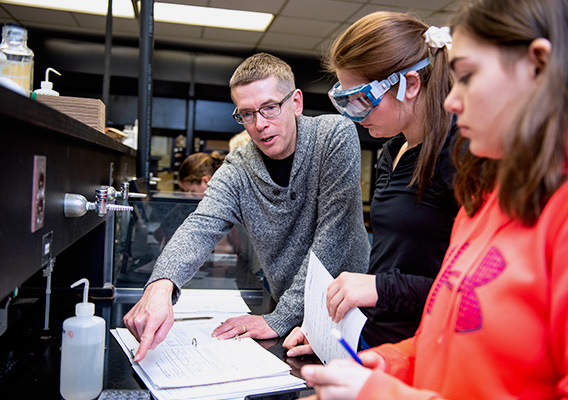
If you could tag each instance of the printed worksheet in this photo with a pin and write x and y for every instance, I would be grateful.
(216, 391)
(317, 323)
(190, 357)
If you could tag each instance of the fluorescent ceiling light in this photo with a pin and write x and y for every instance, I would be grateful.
(120, 8)
(213, 17)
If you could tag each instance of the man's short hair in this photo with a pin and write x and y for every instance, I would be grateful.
(261, 66)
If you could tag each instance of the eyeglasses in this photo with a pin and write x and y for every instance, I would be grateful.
(268, 111)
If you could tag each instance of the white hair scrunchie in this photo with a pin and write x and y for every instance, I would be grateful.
(437, 38)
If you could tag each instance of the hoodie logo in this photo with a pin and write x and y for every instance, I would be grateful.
(470, 318)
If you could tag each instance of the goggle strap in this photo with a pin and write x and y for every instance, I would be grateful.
(393, 79)
(401, 88)
(380, 88)
(416, 67)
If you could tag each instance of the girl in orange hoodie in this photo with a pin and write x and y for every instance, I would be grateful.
(495, 325)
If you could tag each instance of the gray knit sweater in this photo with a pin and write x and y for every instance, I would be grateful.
(320, 210)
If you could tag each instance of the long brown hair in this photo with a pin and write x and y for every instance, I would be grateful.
(383, 43)
(534, 165)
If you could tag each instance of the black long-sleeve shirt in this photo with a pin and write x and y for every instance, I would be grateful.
(409, 240)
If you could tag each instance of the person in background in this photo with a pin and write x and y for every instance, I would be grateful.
(194, 175)
(196, 171)
(496, 321)
(393, 79)
(294, 187)
(238, 140)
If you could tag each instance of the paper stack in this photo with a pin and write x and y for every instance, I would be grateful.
(190, 364)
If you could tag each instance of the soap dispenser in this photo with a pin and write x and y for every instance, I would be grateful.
(47, 86)
(82, 351)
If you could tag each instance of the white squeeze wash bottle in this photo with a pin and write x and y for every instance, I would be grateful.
(47, 86)
(82, 351)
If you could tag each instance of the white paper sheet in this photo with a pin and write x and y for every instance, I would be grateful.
(317, 324)
(220, 391)
(209, 302)
(190, 356)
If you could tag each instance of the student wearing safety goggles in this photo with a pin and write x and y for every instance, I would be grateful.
(393, 79)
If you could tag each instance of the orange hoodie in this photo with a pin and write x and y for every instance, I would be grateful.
(495, 325)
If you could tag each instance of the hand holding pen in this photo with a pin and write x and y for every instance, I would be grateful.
(336, 334)
(369, 359)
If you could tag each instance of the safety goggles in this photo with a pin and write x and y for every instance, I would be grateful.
(358, 102)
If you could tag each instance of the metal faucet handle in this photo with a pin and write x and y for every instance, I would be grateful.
(136, 195)
(76, 205)
(118, 207)
(124, 192)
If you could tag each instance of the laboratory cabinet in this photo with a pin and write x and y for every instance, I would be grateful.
(45, 156)
(60, 181)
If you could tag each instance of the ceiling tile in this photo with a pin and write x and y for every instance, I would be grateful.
(120, 26)
(368, 9)
(164, 29)
(289, 42)
(424, 15)
(232, 35)
(212, 45)
(32, 15)
(202, 3)
(327, 10)
(300, 26)
(96, 22)
(303, 27)
(421, 4)
(126, 27)
(268, 6)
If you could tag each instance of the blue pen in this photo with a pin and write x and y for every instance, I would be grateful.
(338, 336)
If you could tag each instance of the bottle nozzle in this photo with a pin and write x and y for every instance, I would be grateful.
(85, 289)
(84, 309)
(47, 73)
(46, 84)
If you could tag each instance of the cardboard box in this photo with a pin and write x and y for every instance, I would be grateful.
(91, 112)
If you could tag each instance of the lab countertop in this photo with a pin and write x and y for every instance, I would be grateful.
(30, 356)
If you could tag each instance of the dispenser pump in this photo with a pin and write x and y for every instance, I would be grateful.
(46, 85)
(84, 309)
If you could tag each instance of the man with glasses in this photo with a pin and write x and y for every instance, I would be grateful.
(294, 187)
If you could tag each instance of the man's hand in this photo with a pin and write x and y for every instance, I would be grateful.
(253, 326)
(152, 317)
(297, 343)
(350, 290)
(340, 379)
